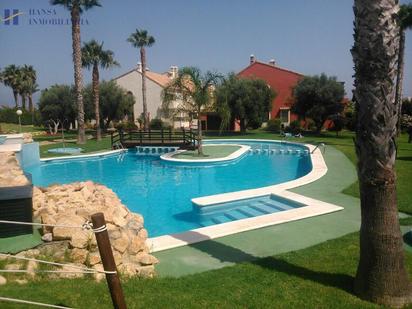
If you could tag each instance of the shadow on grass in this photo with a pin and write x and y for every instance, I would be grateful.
(404, 158)
(226, 253)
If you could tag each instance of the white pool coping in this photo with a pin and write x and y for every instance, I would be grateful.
(233, 156)
(314, 208)
(90, 155)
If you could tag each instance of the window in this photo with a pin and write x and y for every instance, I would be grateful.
(284, 115)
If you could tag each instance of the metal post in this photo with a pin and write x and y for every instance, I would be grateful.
(106, 254)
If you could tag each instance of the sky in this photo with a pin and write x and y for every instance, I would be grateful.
(310, 37)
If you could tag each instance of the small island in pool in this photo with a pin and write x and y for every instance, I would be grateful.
(209, 152)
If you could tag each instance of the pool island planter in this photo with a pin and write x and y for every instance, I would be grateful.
(243, 149)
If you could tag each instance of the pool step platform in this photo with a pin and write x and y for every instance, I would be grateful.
(270, 150)
(242, 209)
(154, 151)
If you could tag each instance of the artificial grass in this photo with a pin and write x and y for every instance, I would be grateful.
(91, 146)
(209, 152)
(317, 277)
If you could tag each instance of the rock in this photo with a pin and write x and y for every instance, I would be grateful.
(94, 258)
(129, 269)
(117, 258)
(61, 233)
(137, 245)
(145, 259)
(121, 244)
(21, 281)
(3, 280)
(69, 274)
(99, 276)
(147, 271)
(79, 256)
(13, 266)
(31, 268)
(80, 238)
(48, 237)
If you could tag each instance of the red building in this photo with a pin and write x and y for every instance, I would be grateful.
(279, 79)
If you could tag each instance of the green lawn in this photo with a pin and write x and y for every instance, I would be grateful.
(209, 152)
(11, 127)
(317, 277)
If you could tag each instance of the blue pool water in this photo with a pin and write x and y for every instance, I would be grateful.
(162, 191)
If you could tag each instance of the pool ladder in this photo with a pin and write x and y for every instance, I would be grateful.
(318, 146)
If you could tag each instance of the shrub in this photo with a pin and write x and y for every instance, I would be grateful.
(126, 126)
(294, 127)
(8, 115)
(274, 125)
(338, 123)
(156, 124)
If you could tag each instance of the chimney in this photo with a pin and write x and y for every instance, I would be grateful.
(252, 58)
(272, 62)
(139, 67)
(173, 72)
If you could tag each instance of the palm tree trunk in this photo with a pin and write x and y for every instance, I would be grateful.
(16, 98)
(23, 101)
(199, 134)
(381, 276)
(399, 79)
(31, 107)
(78, 75)
(95, 83)
(143, 60)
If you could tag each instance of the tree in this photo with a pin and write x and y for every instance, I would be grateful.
(10, 78)
(405, 23)
(115, 102)
(141, 39)
(318, 97)
(27, 85)
(76, 7)
(248, 100)
(57, 106)
(191, 92)
(407, 106)
(381, 275)
(94, 56)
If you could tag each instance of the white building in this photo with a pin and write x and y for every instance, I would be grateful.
(155, 83)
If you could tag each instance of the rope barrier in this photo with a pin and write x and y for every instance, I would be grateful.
(21, 301)
(86, 269)
(87, 225)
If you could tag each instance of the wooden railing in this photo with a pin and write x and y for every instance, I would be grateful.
(182, 138)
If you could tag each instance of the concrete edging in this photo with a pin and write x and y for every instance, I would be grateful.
(233, 156)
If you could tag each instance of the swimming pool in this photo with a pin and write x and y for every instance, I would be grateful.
(162, 191)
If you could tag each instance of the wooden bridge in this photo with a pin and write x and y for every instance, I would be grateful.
(185, 139)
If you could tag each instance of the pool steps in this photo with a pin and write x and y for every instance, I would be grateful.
(255, 149)
(232, 211)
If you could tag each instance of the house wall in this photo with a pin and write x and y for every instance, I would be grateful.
(281, 80)
(133, 82)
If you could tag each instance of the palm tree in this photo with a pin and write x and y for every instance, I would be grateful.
(94, 56)
(76, 7)
(27, 80)
(405, 22)
(10, 78)
(381, 275)
(190, 93)
(141, 39)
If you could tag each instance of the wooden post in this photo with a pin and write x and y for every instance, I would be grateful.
(106, 254)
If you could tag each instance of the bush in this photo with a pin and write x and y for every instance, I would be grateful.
(294, 127)
(273, 125)
(126, 126)
(8, 115)
(338, 123)
(156, 124)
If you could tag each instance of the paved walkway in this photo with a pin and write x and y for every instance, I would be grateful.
(225, 251)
